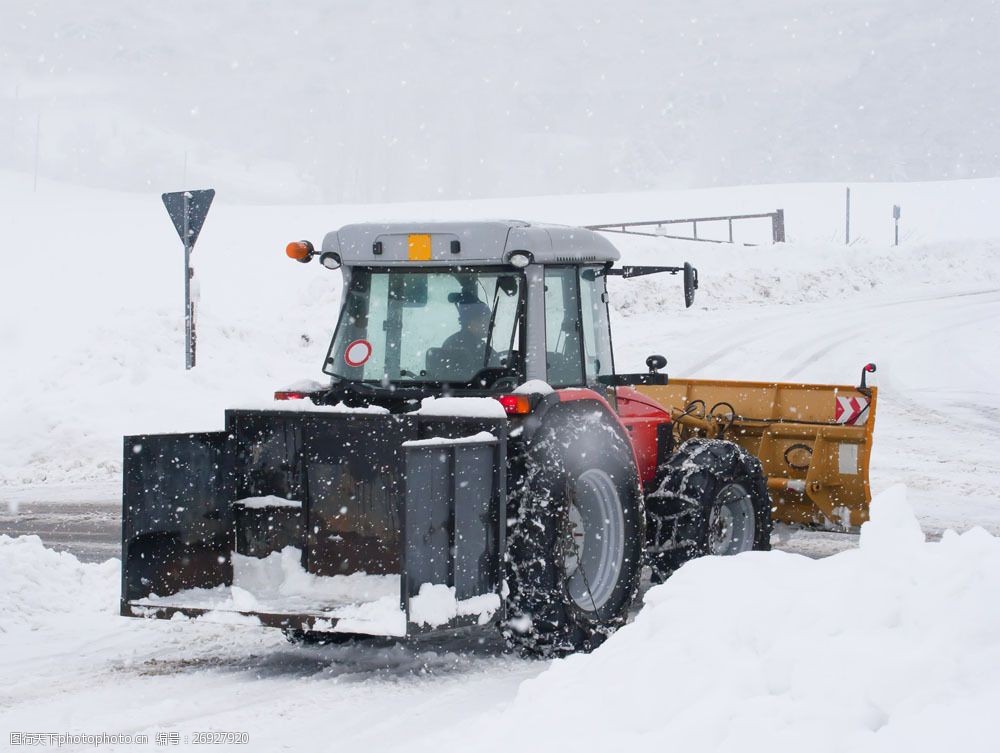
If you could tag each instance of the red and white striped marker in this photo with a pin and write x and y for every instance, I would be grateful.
(852, 411)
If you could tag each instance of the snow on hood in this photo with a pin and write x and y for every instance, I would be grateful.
(534, 387)
(304, 385)
(477, 407)
(266, 502)
(305, 405)
(478, 438)
(894, 646)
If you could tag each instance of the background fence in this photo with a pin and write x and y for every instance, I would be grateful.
(655, 228)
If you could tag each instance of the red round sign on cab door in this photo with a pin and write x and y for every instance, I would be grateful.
(357, 353)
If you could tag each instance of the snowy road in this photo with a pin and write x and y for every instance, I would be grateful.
(90, 531)
(142, 676)
(99, 672)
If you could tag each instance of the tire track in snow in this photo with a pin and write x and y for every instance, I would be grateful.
(837, 343)
(771, 326)
(859, 319)
(899, 394)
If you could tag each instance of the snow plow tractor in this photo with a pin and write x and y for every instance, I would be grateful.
(475, 458)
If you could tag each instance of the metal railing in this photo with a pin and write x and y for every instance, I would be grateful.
(777, 218)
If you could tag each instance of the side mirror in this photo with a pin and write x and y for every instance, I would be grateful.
(507, 284)
(690, 285)
(655, 363)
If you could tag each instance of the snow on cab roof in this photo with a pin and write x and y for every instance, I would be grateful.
(454, 243)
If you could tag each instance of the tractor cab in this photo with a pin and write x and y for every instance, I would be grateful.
(469, 307)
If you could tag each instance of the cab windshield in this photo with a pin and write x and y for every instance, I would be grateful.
(456, 326)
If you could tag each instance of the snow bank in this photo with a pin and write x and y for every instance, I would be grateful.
(894, 646)
(40, 587)
(797, 274)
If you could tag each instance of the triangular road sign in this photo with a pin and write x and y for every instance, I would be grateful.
(188, 210)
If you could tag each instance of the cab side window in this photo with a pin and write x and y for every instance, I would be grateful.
(563, 347)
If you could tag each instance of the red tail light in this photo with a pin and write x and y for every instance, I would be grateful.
(516, 405)
(284, 395)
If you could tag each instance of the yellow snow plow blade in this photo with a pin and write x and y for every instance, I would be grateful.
(813, 440)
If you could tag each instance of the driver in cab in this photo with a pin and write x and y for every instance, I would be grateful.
(465, 352)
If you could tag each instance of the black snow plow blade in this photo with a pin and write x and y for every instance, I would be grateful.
(359, 523)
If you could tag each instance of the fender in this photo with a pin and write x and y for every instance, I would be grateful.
(651, 430)
(577, 396)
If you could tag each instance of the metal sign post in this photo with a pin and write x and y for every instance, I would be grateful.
(187, 210)
(895, 219)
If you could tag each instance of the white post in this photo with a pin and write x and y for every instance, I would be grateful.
(38, 134)
(847, 224)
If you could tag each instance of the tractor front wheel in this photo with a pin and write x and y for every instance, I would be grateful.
(713, 501)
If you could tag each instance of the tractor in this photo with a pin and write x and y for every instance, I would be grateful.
(474, 457)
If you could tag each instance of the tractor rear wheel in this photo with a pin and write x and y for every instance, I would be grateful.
(713, 500)
(575, 536)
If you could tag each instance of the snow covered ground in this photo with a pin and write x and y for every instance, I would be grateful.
(890, 645)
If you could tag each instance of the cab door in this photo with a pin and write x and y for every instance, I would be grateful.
(563, 341)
